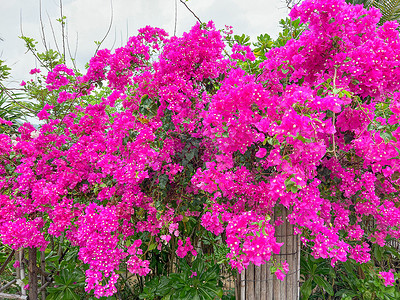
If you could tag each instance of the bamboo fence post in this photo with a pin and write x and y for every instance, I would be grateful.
(257, 283)
(22, 271)
(33, 274)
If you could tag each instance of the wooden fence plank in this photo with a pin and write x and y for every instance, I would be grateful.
(257, 283)
(250, 282)
(283, 254)
(263, 282)
(269, 282)
(278, 233)
(243, 285)
(290, 249)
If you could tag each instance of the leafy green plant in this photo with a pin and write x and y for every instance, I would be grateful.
(349, 280)
(197, 280)
(11, 112)
(65, 285)
(390, 9)
(315, 273)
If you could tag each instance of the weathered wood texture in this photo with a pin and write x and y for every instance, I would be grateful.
(11, 296)
(257, 283)
(33, 276)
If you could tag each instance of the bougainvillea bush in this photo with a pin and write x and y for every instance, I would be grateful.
(183, 131)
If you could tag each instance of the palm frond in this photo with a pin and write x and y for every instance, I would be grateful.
(10, 112)
(390, 10)
(366, 3)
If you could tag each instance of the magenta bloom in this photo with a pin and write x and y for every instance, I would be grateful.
(388, 277)
(43, 114)
(280, 275)
(261, 153)
(16, 264)
(285, 267)
(23, 83)
(34, 71)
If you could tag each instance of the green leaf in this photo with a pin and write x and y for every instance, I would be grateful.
(273, 269)
(386, 136)
(190, 155)
(336, 91)
(163, 288)
(306, 289)
(324, 284)
(346, 294)
(378, 252)
(163, 180)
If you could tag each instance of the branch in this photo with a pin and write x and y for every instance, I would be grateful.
(108, 30)
(12, 296)
(27, 45)
(62, 30)
(176, 16)
(44, 286)
(54, 35)
(191, 11)
(42, 26)
(7, 261)
(69, 49)
(8, 285)
(37, 269)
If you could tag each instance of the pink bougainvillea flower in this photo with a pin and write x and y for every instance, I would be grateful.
(182, 118)
(44, 114)
(16, 264)
(34, 71)
(285, 267)
(280, 275)
(261, 153)
(388, 277)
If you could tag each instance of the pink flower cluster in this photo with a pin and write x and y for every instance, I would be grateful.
(183, 250)
(316, 133)
(388, 277)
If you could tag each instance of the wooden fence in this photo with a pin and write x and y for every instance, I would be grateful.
(257, 283)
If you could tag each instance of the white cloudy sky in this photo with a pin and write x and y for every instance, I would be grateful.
(90, 20)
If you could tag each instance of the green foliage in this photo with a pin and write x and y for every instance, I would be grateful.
(290, 30)
(148, 107)
(263, 45)
(390, 9)
(4, 71)
(184, 284)
(50, 58)
(349, 280)
(315, 272)
(66, 283)
(10, 111)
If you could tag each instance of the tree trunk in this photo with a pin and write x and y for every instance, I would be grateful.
(33, 275)
(257, 283)
(43, 278)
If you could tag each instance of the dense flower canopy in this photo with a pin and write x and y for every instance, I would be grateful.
(184, 131)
